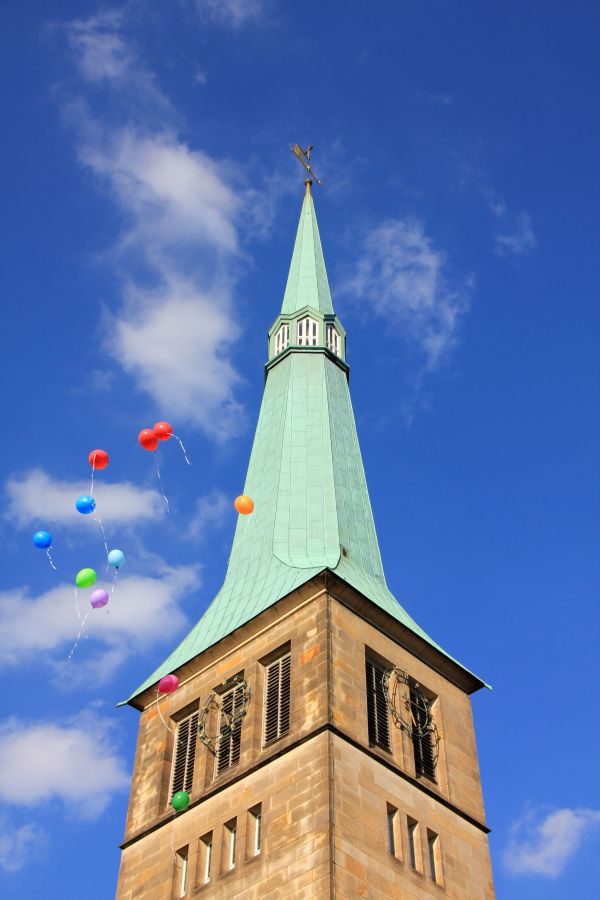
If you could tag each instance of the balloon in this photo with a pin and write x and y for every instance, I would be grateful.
(85, 505)
(148, 439)
(168, 684)
(85, 578)
(98, 459)
(244, 505)
(180, 801)
(42, 539)
(116, 558)
(163, 431)
(99, 598)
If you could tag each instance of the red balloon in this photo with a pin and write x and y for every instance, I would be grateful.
(168, 684)
(163, 431)
(148, 439)
(244, 504)
(98, 459)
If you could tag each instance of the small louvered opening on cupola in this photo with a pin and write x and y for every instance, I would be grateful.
(277, 699)
(377, 711)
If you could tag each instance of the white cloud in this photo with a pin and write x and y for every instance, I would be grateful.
(211, 512)
(34, 497)
(402, 277)
(519, 239)
(18, 845)
(233, 13)
(179, 250)
(74, 762)
(143, 611)
(544, 843)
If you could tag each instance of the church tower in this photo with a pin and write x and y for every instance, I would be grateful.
(325, 740)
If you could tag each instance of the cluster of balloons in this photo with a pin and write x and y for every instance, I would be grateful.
(149, 437)
(86, 578)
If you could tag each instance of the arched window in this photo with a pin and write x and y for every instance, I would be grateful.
(282, 339)
(307, 332)
(333, 339)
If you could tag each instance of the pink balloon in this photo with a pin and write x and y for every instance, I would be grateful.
(168, 684)
(99, 598)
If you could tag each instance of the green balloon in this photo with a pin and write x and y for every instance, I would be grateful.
(85, 578)
(180, 800)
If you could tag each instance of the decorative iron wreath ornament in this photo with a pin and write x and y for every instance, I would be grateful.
(227, 722)
(399, 704)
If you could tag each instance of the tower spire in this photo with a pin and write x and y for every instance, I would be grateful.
(312, 510)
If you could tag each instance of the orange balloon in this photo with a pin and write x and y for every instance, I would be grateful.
(98, 459)
(244, 504)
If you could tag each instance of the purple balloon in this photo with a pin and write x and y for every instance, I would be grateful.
(99, 598)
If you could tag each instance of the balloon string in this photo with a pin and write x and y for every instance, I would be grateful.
(96, 519)
(162, 490)
(77, 610)
(112, 590)
(92, 481)
(180, 442)
(79, 635)
(162, 719)
(49, 555)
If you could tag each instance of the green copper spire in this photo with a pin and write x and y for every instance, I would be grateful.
(312, 510)
(307, 283)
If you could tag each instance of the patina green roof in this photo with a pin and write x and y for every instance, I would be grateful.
(306, 477)
(307, 283)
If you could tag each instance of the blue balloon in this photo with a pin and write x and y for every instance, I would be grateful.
(85, 505)
(116, 558)
(42, 539)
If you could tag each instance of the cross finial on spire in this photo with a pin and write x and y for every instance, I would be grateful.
(304, 157)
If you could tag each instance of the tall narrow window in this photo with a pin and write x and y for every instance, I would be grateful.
(333, 339)
(422, 737)
(230, 735)
(414, 844)
(184, 755)
(229, 844)
(307, 332)
(394, 841)
(377, 712)
(254, 830)
(282, 338)
(181, 871)
(277, 699)
(433, 852)
(205, 845)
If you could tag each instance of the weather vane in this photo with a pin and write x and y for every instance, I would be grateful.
(304, 157)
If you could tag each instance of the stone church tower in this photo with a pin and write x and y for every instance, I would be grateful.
(326, 742)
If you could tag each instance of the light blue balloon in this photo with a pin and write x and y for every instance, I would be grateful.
(116, 558)
(42, 539)
(85, 505)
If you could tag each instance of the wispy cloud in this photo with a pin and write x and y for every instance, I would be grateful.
(73, 761)
(19, 845)
(34, 496)
(178, 255)
(401, 277)
(143, 611)
(543, 843)
(232, 13)
(520, 239)
(211, 512)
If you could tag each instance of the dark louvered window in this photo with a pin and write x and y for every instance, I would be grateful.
(422, 738)
(379, 726)
(230, 729)
(277, 699)
(185, 753)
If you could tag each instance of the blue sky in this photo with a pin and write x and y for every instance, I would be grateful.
(150, 208)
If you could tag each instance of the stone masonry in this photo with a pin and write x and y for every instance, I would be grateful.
(327, 799)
